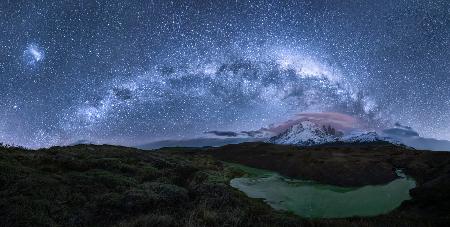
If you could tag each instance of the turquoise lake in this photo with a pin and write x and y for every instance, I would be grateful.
(314, 200)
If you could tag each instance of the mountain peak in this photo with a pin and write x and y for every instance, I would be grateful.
(306, 133)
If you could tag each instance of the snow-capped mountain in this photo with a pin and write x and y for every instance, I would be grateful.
(308, 133)
(361, 137)
(365, 137)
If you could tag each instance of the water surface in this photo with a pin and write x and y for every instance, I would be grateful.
(314, 200)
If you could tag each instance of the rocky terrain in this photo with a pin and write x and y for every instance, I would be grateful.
(89, 185)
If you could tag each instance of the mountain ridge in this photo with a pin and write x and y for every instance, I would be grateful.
(308, 133)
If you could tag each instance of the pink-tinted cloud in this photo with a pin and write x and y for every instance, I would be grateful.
(341, 122)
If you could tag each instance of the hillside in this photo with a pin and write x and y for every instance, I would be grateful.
(88, 185)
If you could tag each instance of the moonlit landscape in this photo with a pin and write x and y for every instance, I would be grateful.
(357, 93)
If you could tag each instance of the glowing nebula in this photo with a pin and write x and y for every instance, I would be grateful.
(33, 54)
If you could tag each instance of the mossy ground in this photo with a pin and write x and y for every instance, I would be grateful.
(87, 185)
(106, 186)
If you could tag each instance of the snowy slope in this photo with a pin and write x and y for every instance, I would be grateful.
(305, 133)
(308, 133)
(364, 137)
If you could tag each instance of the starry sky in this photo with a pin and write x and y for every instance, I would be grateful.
(130, 72)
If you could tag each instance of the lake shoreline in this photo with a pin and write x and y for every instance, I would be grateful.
(310, 199)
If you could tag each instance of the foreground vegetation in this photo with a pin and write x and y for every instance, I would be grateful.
(88, 185)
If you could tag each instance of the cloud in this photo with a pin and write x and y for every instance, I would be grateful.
(223, 133)
(399, 132)
(397, 124)
(195, 142)
(409, 137)
(339, 121)
(255, 134)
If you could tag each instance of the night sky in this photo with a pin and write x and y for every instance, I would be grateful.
(130, 72)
